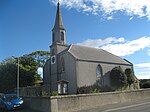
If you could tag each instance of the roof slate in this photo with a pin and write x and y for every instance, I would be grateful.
(94, 54)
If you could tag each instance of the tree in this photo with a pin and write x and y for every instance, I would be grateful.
(28, 66)
(118, 78)
(28, 71)
(130, 76)
(8, 71)
(8, 74)
(40, 57)
(145, 83)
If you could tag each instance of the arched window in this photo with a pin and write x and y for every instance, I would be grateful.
(62, 65)
(62, 36)
(53, 51)
(53, 37)
(99, 71)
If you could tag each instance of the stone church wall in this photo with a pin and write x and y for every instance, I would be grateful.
(69, 73)
(86, 73)
(46, 72)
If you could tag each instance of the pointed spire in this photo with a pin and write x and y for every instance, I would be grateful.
(58, 20)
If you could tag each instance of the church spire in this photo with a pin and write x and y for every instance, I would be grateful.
(58, 30)
(58, 20)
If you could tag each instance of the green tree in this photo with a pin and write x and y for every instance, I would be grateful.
(40, 57)
(28, 70)
(130, 76)
(8, 71)
(118, 78)
(145, 83)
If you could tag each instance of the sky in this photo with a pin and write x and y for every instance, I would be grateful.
(121, 27)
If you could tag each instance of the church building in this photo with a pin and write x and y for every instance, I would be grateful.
(77, 65)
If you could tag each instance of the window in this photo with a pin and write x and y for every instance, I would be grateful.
(99, 71)
(53, 59)
(53, 37)
(53, 51)
(62, 65)
(62, 36)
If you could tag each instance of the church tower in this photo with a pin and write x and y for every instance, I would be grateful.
(58, 34)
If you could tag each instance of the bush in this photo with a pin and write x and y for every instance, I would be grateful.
(130, 76)
(89, 89)
(54, 93)
(145, 84)
(118, 78)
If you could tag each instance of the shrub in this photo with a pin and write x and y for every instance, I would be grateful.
(145, 84)
(130, 76)
(118, 78)
(54, 93)
(89, 89)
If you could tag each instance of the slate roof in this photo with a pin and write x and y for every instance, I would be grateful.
(93, 54)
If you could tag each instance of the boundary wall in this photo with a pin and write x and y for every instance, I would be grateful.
(70, 103)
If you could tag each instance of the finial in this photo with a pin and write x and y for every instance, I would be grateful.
(58, 2)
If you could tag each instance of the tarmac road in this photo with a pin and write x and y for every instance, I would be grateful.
(23, 110)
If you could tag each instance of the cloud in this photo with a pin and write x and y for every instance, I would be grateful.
(140, 8)
(143, 65)
(99, 42)
(119, 46)
(109, 18)
(148, 52)
(143, 75)
(142, 70)
(130, 18)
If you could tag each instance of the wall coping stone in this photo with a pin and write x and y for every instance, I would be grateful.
(96, 94)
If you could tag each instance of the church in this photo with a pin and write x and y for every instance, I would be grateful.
(78, 66)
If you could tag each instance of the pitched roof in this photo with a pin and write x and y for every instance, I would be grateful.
(94, 54)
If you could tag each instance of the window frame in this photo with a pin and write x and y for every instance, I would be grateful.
(99, 71)
(62, 36)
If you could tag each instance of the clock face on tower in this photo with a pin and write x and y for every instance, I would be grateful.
(53, 59)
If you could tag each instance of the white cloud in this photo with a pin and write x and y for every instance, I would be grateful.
(143, 75)
(143, 65)
(130, 18)
(109, 18)
(142, 70)
(140, 8)
(148, 52)
(119, 46)
(99, 42)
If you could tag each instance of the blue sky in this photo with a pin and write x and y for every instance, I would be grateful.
(121, 27)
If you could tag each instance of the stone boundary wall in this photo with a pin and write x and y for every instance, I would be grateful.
(80, 102)
(70, 103)
(37, 104)
(35, 91)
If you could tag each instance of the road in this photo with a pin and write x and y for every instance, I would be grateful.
(24, 110)
(134, 106)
